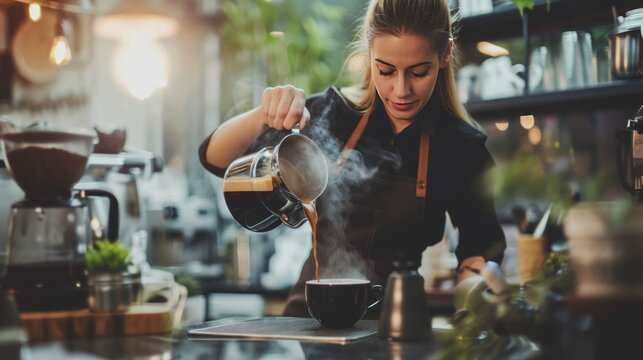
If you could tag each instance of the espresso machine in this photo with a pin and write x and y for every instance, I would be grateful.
(629, 156)
(50, 230)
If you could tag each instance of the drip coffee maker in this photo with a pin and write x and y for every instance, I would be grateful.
(50, 229)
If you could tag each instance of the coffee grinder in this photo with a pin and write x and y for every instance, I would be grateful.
(50, 230)
(629, 156)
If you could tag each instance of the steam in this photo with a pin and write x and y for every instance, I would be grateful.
(344, 260)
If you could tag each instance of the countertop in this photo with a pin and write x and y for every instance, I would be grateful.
(610, 333)
(180, 346)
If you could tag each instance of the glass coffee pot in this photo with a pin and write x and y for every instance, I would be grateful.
(50, 229)
(267, 188)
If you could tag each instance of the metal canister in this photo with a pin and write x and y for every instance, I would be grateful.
(626, 46)
(110, 292)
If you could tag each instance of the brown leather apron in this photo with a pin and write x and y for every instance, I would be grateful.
(384, 218)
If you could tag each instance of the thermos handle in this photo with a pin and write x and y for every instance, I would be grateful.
(113, 221)
(379, 289)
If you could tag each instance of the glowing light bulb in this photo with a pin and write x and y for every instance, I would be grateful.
(491, 49)
(35, 11)
(141, 66)
(527, 121)
(502, 125)
(60, 53)
(534, 135)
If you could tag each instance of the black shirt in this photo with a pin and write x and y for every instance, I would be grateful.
(458, 160)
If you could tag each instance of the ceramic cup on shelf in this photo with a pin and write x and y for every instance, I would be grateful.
(601, 65)
(542, 74)
(498, 78)
(576, 60)
(466, 82)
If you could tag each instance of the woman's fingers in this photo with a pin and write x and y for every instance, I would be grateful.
(275, 99)
(304, 119)
(265, 106)
(283, 107)
(296, 112)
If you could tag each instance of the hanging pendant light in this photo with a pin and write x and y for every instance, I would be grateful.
(34, 11)
(140, 65)
(142, 18)
(60, 53)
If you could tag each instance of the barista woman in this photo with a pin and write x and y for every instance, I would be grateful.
(404, 120)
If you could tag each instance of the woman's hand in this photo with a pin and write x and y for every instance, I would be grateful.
(283, 107)
(470, 266)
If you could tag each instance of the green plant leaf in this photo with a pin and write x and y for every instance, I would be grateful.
(312, 33)
(527, 4)
(525, 177)
(523, 4)
(556, 273)
(107, 257)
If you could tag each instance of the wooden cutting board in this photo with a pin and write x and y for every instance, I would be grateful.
(138, 320)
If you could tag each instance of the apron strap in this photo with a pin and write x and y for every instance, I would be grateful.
(423, 158)
(423, 163)
(352, 141)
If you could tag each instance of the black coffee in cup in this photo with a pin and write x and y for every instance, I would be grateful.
(340, 303)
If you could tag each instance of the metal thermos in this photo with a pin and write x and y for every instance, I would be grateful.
(405, 314)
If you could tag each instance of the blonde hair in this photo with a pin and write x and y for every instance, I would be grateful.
(427, 18)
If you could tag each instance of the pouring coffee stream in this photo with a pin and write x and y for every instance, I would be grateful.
(299, 187)
(311, 214)
(264, 184)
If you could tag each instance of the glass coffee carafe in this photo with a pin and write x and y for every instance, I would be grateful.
(269, 187)
(50, 229)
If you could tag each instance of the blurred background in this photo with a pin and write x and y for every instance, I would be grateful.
(156, 77)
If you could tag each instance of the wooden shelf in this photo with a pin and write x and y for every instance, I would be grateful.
(615, 94)
(505, 21)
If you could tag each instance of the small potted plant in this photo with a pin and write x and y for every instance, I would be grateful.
(110, 283)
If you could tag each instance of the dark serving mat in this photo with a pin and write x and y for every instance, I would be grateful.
(288, 328)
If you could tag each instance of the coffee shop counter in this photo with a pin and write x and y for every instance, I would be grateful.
(181, 346)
